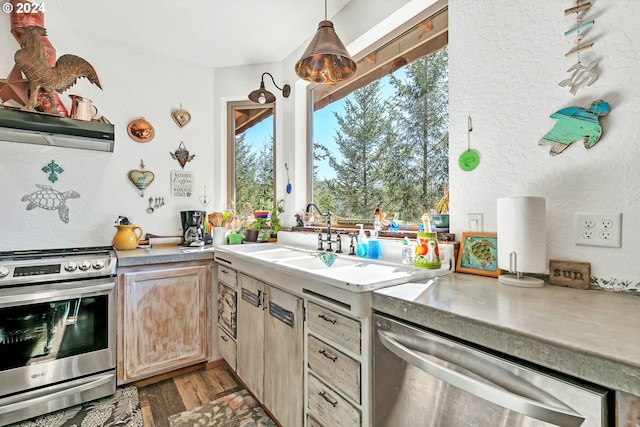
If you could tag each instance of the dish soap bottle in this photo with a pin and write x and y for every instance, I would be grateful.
(374, 245)
(362, 249)
(375, 250)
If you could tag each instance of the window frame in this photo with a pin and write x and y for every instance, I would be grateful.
(434, 20)
(232, 106)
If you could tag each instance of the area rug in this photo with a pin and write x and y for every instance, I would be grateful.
(120, 409)
(237, 409)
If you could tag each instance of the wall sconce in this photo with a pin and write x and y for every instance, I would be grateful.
(263, 96)
(326, 60)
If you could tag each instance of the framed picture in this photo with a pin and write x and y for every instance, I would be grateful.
(478, 254)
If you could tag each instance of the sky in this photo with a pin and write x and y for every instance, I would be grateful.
(324, 128)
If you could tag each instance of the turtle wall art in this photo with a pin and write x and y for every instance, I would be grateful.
(50, 199)
(478, 254)
(576, 124)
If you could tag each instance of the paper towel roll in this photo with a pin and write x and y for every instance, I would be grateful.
(522, 230)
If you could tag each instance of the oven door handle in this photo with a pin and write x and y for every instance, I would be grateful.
(54, 292)
(13, 407)
(448, 372)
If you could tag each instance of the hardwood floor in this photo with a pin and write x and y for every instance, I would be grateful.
(183, 392)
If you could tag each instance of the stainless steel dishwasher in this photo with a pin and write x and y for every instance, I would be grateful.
(426, 380)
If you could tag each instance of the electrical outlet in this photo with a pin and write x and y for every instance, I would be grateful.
(599, 229)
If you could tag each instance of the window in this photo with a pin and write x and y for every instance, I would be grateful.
(250, 164)
(380, 139)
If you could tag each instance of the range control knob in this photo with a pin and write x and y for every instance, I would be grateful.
(4, 271)
(98, 264)
(85, 265)
(71, 266)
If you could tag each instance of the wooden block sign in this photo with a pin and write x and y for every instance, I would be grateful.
(569, 273)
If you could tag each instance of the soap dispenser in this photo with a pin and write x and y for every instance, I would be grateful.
(375, 250)
(362, 250)
(374, 245)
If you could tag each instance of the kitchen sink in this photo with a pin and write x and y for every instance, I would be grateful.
(314, 263)
(280, 253)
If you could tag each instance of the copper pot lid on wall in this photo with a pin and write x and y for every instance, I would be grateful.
(140, 130)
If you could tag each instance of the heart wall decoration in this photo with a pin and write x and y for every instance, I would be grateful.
(141, 178)
(181, 117)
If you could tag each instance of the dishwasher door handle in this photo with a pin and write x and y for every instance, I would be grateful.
(561, 416)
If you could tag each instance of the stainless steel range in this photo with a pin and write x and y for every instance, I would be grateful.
(57, 329)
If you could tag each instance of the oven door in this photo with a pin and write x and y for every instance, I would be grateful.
(423, 379)
(56, 332)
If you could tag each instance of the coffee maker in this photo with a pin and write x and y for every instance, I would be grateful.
(192, 228)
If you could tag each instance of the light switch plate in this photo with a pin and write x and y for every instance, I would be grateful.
(474, 222)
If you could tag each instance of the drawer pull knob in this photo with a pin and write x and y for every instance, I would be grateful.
(223, 338)
(324, 396)
(327, 319)
(328, 355)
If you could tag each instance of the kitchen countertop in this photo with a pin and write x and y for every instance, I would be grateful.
(135, 257)
(589, 334)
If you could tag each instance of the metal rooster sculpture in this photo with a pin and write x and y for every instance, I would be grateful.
(32, 61)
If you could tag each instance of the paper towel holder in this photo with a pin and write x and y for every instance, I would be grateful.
(521, 233)
(518, 279)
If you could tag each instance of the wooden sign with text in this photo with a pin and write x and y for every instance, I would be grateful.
(569, 273)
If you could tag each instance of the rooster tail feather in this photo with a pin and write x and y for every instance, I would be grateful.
(75, 66)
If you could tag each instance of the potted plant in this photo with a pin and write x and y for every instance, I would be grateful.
(251, 234)
(275, 220)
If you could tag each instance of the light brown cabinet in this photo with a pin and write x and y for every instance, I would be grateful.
(163, 318)
(270, 348)
(332, 373)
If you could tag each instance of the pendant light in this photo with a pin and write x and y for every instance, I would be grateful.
(326, 60)
(263, 96)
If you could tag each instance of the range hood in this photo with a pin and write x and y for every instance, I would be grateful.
(46, 129)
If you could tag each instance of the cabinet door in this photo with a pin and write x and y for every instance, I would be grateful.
(283, 357)
(165, 319)
(250, 341)
(227, 309)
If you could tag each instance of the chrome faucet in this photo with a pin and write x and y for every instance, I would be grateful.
(328, 239)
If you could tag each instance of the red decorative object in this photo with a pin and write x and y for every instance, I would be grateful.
(14, 87)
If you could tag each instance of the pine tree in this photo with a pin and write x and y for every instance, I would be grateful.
(360, 137)
(420, 121)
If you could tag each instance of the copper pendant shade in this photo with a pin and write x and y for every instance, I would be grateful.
(326, 60)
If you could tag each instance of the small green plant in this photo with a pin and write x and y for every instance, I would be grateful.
(275, 216)
(257, 224)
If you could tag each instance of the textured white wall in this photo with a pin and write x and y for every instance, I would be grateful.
(136, 83)
(506, 59)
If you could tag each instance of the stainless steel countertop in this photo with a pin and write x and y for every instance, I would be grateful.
(135, 257)
(589, 334)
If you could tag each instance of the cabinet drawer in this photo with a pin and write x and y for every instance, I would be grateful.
(339, 328)
(227, 303)
(227, 347)
(228, 276)
(335, 367)
(328, 407)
